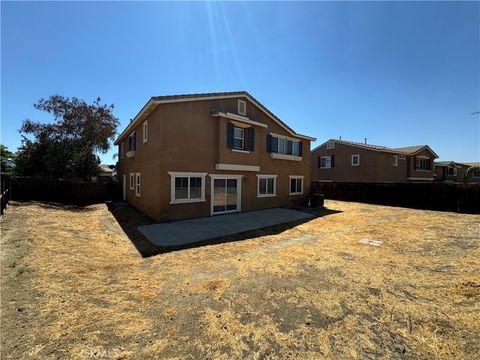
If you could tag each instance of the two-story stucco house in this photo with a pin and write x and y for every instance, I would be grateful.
(348, 161)
(186, 156)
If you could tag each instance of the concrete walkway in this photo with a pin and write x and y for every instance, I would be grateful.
(184, 232)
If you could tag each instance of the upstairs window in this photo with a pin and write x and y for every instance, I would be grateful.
(132, 142)
(284, 146)
(395, 160)
(242, 107)
(422, 164)
(122, 150)
(331, 145)
(325, 162)
(355, 160)
(145, 131)
(238, 138)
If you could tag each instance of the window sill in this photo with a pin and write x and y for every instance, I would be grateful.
(266, 196)
(286, 157)
(295, 194)
(133, 189)
(187, 201)
(323, 168)
(130, 153)
(241, 151)
(422, 170)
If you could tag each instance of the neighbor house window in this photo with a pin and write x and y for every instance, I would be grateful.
(137, 184)
(476, 172)
(132, 142)
(132, 181)
(355, 160)
(325, 162)
(296, 185)
(238, 138)
(266, 185)
(331, 145)
(395, 160)
(187, 187)
(242, 107)
(145, 131)
(286, 146)
(422, 163)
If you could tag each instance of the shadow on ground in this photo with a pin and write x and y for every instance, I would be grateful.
(129, 218)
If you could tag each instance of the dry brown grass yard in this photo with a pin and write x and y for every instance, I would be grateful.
(74, 286)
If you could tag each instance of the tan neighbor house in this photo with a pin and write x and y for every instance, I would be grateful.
(348, 161)
(186, 156)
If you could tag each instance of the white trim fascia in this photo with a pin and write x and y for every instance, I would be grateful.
(241, 151)
(264, 176)
(240, 118)
(324, 181)
(236, 167)
(286, 157)
(239, 192)
(290, 177)
(174, 174)
(419, 178)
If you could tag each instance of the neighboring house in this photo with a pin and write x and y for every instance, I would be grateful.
(105, 175)
(186, 156)
(476, 173)
(449, 171)
(348, 161)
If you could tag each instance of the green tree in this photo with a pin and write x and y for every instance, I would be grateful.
(68, 146)
(6, 159)
(471, 171)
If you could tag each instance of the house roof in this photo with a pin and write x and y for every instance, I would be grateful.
(105, 168)
(407, 150)
(156, 100)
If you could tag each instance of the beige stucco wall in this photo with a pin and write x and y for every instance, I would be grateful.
(185, 137)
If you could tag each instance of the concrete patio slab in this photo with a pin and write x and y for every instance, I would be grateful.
(184, 232)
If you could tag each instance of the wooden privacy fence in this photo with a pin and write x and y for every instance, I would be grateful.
(5, 191)
(433, 196)
(63, 191)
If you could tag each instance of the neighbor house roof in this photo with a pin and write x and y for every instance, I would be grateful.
(407, 150)
(156, 100)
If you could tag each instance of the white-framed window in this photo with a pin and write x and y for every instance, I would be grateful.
(238, 138)
(422, 163)
(132, 142)
(145, 131)
(356, 160)
(285, 146)
(122, 150)
(242, 107)
(266, 185)
(295, 185)
(454, 171)
(187, 187)
(137, 184)
(395, 160)
(132, 181)
(325, 162)
(331, 145)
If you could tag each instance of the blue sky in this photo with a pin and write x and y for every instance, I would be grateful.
(399, 74)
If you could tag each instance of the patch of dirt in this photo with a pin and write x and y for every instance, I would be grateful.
(75, 285)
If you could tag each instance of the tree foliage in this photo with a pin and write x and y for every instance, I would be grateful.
(6, 159)
(67, 147)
